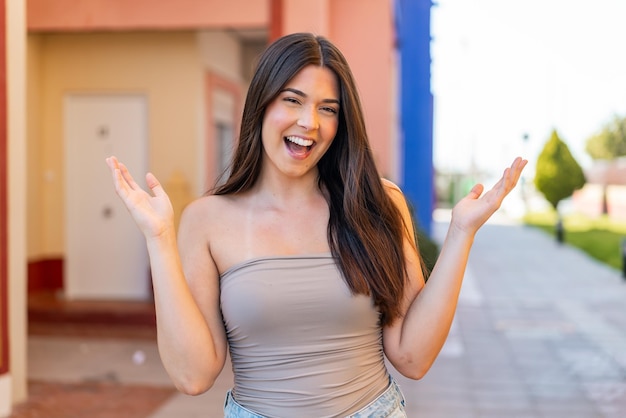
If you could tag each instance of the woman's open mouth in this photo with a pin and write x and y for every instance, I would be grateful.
(299, 146)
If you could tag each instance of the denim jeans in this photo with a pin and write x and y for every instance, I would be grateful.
(390, 404)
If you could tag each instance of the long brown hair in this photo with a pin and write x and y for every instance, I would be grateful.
(365, 230)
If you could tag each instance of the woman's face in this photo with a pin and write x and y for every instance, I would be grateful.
(300, 124)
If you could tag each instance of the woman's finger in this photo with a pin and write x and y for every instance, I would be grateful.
(476, 191)
(154, 185)
(121, 187)
(128, 177)
(122, 180)
(115, 172)
(512, 174)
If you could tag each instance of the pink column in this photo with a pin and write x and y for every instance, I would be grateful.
(4, 323)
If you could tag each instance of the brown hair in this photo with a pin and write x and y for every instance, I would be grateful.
(365, 230)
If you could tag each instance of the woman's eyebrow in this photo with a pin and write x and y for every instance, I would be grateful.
(303, 94)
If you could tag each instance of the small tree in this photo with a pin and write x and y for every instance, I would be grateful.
(558, 175)
(610, 142)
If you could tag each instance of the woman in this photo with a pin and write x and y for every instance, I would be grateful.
(303, 263)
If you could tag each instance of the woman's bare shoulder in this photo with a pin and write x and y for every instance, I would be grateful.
(215, 222)
(392, 189)
(397, 197)
(207, 203)
(206, 211)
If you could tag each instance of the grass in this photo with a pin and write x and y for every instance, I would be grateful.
(600, 237)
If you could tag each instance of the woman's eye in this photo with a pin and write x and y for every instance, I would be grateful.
(331, 110)
(291, 100)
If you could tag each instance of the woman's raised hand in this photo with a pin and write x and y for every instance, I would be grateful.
(153, 214)
(471, 212)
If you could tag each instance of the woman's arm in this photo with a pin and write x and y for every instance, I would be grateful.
(190, 335)
(413, 342)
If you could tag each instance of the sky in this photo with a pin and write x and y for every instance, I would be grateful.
(503, 70)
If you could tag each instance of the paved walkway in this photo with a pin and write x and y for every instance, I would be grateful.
(540, 331)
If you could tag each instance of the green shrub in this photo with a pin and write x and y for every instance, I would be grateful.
(557, 174)
(429, 250)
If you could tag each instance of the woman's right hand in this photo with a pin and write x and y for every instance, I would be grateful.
(153, 214)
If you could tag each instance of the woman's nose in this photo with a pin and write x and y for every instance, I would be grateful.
(308, 119)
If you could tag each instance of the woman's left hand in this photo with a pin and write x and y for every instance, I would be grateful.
(471, 212)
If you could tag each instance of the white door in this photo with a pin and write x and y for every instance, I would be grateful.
(106, 256)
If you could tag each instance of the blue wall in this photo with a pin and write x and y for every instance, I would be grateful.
(416, 107)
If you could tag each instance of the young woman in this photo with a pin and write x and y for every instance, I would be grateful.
(303, 263)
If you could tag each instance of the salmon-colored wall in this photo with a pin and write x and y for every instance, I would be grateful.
(306, 16)
(363, 30)
(81, 15)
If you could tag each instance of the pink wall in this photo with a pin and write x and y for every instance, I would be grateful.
(368, 44)
(77, 15)
(306, 16)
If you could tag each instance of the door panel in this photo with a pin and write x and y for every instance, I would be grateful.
(106, 256)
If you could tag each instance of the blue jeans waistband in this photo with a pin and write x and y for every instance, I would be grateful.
(389, 404)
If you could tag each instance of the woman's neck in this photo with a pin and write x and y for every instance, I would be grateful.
(285, 190)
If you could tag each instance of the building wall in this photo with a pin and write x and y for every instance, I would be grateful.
(164, 66)
(363, 29)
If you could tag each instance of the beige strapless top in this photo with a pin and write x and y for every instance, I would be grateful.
(301, 344)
